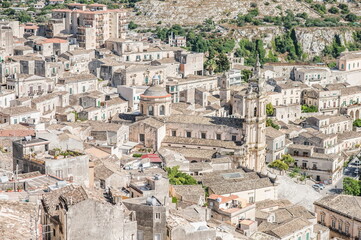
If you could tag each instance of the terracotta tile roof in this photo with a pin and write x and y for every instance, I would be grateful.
(16, 133)
(52, 40)
(223, 198)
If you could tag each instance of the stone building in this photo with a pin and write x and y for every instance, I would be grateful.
(68, 211)
(190, 63)
(250, 186)
(276, 144)
(321, 167)
(32, 154)
(151, 217)
(341, 214)
(244, 136)
(349, 61)
(155, 101)
(313, 75)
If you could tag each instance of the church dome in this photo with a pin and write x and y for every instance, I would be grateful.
(155, 91)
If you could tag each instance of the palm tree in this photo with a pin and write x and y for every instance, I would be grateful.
(210, 65)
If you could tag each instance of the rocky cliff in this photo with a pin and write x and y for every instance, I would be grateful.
(190, 12)
(313, 40)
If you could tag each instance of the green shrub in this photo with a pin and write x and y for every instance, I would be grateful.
(309, 109)
(137, 155)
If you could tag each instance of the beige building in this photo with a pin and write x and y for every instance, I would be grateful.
(349, 61)
(245, 137)
(26, 85)
(321, 167)
(183, 89)
(93, 24)
(341, 214)
(276, 144)
(330, 124)
(76, 84)
(313, 75)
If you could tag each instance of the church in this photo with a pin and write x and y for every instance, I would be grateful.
(242, 136)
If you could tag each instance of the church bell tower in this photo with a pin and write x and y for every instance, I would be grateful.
(255, 122)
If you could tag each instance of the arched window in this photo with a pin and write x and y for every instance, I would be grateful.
(161, 110)
(150, 111)
(255, 112)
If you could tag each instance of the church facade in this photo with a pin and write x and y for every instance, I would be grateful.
(244, 136)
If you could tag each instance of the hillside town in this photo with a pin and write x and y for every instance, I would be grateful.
(110, 130)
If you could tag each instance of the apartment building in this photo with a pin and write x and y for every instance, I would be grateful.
(93, 24)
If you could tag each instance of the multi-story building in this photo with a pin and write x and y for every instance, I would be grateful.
(341, 214)
(93, 24)
(183, 89)
(32, 154)
(313, 75)
(276, 144)
(330, 124)
(349, 61)
(320, 166)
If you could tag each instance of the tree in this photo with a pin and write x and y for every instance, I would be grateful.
(333, 10)
(210, 65)
(222, 63)
(270, 123)
(278, 164)
(308, 109)
(132, 25)
(177, 177)
(24, 17)
(357, 123)
(270, 110)
(351, 17)
(288, 159)
(246, 74)
(351, 186)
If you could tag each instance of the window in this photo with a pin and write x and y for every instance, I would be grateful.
(255, 112)
(157, 215)
(141, 137)
(15, 121)
(189, 134)
(83, 88)
(322, 218)
(162, 110)
(340, 223)
(347, 228)
(333, 223)
(218, 136)
(251, 199)
(234, 138)
(174, 133)
(203, 135)
(150, 111)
